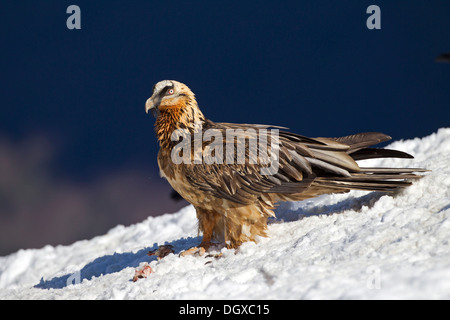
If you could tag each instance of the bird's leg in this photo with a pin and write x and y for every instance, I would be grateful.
(207, 222)
(203, 247)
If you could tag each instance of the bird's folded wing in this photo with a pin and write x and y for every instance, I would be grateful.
(294, 163)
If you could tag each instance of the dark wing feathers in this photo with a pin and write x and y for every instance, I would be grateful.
(326, 162)
(373, 153)
(391, 170)
(338, 159)
(300, 161)
(362, 140)
(328, 167)
(291, 171)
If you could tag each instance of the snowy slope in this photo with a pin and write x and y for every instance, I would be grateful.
(357, 245)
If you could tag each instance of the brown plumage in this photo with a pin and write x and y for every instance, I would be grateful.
(234, 199)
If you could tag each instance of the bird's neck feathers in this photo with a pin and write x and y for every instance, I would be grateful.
(184, 115)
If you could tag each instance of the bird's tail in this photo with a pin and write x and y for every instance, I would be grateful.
(372, 179)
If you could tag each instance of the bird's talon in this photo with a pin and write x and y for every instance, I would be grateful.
(216, 256)
(200, 251)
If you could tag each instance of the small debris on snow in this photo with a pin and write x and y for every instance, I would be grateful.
(144, 272)
(162, 251)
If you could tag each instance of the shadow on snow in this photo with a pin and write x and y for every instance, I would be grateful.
(118, 261)
(113, 263)
(285, 212)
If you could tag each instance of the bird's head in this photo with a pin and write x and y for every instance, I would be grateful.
(167, 95)
(174, 106)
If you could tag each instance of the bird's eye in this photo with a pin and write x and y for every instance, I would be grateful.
(170, 91)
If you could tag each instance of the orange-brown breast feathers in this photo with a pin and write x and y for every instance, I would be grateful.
(169, 119)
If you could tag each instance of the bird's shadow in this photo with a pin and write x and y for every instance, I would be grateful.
(286, 213)
(116, 262)
(112, 263)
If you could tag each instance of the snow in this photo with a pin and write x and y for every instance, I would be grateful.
(351, 246)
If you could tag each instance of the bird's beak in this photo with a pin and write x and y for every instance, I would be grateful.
(149, 105)
(153, 106)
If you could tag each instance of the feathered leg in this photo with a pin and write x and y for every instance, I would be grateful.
(207, 221)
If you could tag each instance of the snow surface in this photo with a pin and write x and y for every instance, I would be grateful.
(352, 246)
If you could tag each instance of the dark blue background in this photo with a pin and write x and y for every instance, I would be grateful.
(311, 66)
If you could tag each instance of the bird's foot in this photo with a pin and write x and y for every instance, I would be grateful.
(200, 251)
